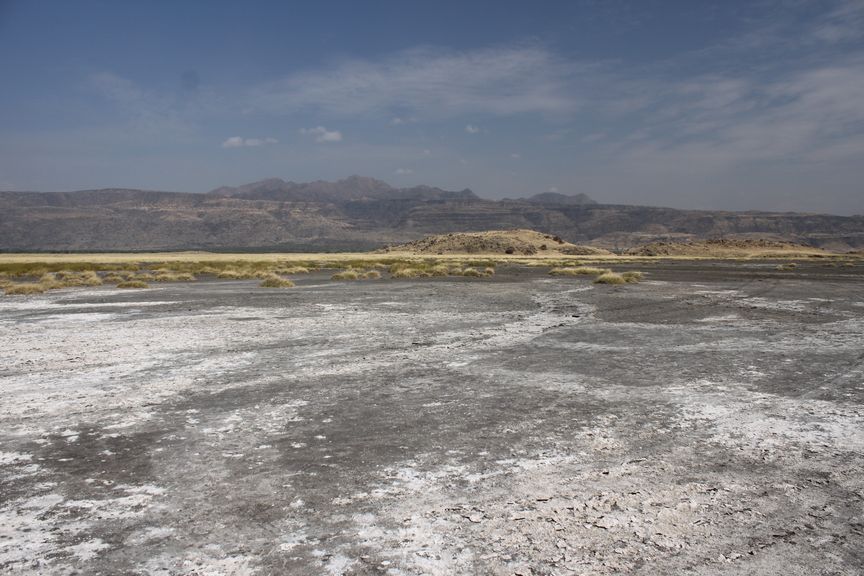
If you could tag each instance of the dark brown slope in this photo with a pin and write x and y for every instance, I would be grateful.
(362, 213)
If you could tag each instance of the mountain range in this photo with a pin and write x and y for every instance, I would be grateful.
(360, 213)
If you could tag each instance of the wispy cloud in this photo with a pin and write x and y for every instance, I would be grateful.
(845, 22)
(403, 171)
(471, 129)
(322, 135)
(729, 120)
(428, 82)
(240, 142)
(147, 111)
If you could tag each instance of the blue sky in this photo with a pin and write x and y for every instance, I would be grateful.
(729, 105)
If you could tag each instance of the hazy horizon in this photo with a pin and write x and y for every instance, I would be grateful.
(692, 105)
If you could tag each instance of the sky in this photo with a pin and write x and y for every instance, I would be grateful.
(738, 105)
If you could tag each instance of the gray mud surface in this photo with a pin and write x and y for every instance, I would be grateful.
(707, 421)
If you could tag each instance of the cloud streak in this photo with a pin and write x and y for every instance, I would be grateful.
(427, 82)
(322, 135)
(240, 142)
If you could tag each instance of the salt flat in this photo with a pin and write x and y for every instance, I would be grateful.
(709, 420)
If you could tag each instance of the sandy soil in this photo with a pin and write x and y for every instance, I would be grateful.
(707, 421)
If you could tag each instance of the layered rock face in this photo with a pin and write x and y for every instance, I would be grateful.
(362, 213)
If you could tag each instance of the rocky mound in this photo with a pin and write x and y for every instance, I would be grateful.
(726, 247)
(517, 242)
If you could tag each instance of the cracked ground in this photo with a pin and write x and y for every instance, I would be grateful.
(709, 420)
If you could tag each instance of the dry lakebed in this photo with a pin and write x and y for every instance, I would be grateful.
(709, 420)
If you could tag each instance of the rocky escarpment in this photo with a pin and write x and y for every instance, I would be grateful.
(363, 213)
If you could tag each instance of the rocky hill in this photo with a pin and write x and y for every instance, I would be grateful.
(557, 198)
(516, 242)
(726, 248)
(363, 213)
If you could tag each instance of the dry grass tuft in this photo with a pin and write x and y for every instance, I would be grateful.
(610, 278)
(275, 281)
(24, 289)
(293, 270)
(471, 273)
(133, 284)
(579, 271)
(441, 270)
(73, 279)
(632, 276)
(49, 281)
(346, 275)
(372, 275)
(408, 273)
(141, 276)
(788, 267)
(235, 274)
(174, 277)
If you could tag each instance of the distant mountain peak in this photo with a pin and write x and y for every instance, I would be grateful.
(352, 188)
(579, 199)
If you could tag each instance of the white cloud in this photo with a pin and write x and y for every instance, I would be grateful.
(434, 83)
(515, 155)
(471, 129)
(403, 171)
(240, 142)
(719, 121)
(322, 135)
(553, 189)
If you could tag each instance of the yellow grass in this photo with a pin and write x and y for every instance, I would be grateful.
(408, 273)
(346, 275)
(24, 289)
(275, 281)
(610, 278)
(293, 270)
(209, 263)
(578, 271)
(174, 277)
(133, 284)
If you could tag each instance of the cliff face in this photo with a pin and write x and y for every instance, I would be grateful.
(362, 213)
